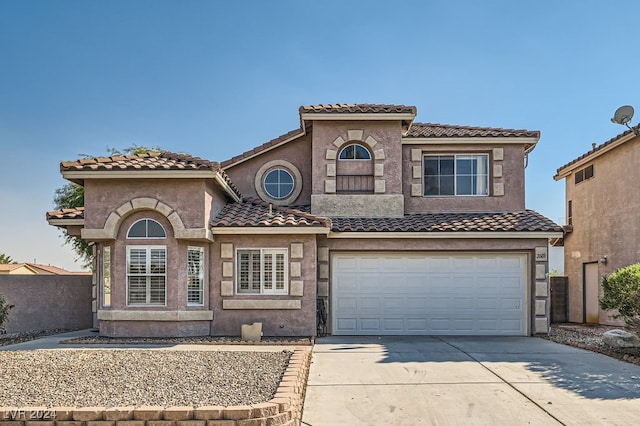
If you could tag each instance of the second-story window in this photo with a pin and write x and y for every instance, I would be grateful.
(584, 174)
(456, 175)
(279, 183)
(354, 171)
(354, 152)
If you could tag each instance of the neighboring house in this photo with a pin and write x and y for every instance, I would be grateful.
(34, 269)
(16, 269)
(603, 224)
(391, 226)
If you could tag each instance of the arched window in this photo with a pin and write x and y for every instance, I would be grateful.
(354, 152)
(279, 183)
(146, 228)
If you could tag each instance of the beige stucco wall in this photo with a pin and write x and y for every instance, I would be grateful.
(388, 137)
(606, 221)
(511, 168)
(296, 152)
(185, 196)
(275, 322)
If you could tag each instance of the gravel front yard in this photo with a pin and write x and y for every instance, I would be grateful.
(589, 337)
(120, 377)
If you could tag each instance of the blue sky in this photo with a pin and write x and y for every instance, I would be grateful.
(216, 78)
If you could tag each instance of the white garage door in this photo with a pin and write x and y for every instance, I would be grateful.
(408, 293)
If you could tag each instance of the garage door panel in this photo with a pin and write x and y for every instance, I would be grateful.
(417, 325)
(347, 304)
(394, 325)
(346, 326)
(397, 293)
(370, 324)
(368, 303)
(393, 303)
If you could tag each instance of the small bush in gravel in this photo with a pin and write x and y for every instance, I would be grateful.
(622, 292)
(5, 308)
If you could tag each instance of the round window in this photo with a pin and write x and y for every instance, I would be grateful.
(278, 183)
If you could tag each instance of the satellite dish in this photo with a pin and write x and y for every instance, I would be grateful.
(623, 115)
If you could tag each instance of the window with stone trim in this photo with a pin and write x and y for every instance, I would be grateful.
(106, 276)
(354, 151)
(195, 276)
(262, 271)
(146, 275)
(455, 175)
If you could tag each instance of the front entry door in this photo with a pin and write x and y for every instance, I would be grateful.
(591, 294)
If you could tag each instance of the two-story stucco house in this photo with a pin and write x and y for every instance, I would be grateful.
(389, 225)
(603, 224)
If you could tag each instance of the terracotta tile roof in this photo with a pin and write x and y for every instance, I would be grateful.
(147, 161)
(433, 130)
(358, 109)
(595, 149)
(517, 221)
(161, 161)
(293, 134)
(252, 212)
(75, 213)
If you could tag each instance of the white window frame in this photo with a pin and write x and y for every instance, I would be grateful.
(197, 275)
(106, 276)
(455, 173)
(265, 287)
(148, 274)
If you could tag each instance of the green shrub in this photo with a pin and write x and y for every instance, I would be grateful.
(622, 292)
(4, 311)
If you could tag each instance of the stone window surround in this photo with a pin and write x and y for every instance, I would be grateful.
(496, 184)
(263, 250)
(267, 167)
(228, 283)
(354, 136)
(112, 224)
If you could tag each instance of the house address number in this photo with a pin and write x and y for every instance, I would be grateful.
(541, 254)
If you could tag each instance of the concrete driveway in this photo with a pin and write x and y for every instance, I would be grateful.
(467, 381)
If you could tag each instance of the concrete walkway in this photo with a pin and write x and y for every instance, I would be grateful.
(467, 381)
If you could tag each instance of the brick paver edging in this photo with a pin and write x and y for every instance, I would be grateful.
(285, 409)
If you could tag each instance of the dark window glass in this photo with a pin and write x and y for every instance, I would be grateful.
(354, 152)
(570, 212)
(138, 230)
(146, 228)
(455, 175)
(279, 184)
(588, 172)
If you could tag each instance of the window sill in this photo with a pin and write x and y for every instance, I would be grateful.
(121, 315)
(261, 304)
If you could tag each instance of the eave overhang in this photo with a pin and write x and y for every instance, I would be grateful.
(270, 230)
(529, 143)
(445, 235)
(566, 170)
(63, 223)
